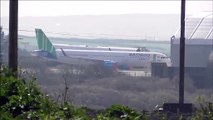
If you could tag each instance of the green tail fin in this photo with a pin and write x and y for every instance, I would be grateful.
(44, 43)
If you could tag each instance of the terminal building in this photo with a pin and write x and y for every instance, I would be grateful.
(198, 41)
(198, 51)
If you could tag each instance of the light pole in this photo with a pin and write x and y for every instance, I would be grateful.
(182, 54)
(1, 39)
(13, 35)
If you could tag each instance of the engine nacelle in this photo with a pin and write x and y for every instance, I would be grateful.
(124, 67)
(112, 65)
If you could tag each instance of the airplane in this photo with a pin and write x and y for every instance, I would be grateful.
(124, 60)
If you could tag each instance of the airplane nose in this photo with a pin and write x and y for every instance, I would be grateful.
(168, 62)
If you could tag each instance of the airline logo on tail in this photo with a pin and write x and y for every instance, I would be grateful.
(44, 43)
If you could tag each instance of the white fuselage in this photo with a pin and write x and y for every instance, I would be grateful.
(85, 47)
(134, 59)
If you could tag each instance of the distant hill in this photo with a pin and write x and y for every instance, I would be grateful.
(127, 26)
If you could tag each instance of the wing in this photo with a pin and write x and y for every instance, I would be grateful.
(87, 58)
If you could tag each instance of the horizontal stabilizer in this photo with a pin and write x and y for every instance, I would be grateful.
(63, 52)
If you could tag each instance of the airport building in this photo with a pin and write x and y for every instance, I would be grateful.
(198, 41)
(198, 51)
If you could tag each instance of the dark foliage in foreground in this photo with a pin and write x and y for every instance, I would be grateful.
(20, 98)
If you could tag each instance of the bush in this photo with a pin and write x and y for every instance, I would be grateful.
(17, 95)
(123, 112)
(22, 99)
(205, 112)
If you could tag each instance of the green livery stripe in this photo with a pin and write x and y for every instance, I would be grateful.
(44, 43)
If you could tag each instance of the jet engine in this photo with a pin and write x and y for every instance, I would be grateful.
(124, 67)
(112, 65)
